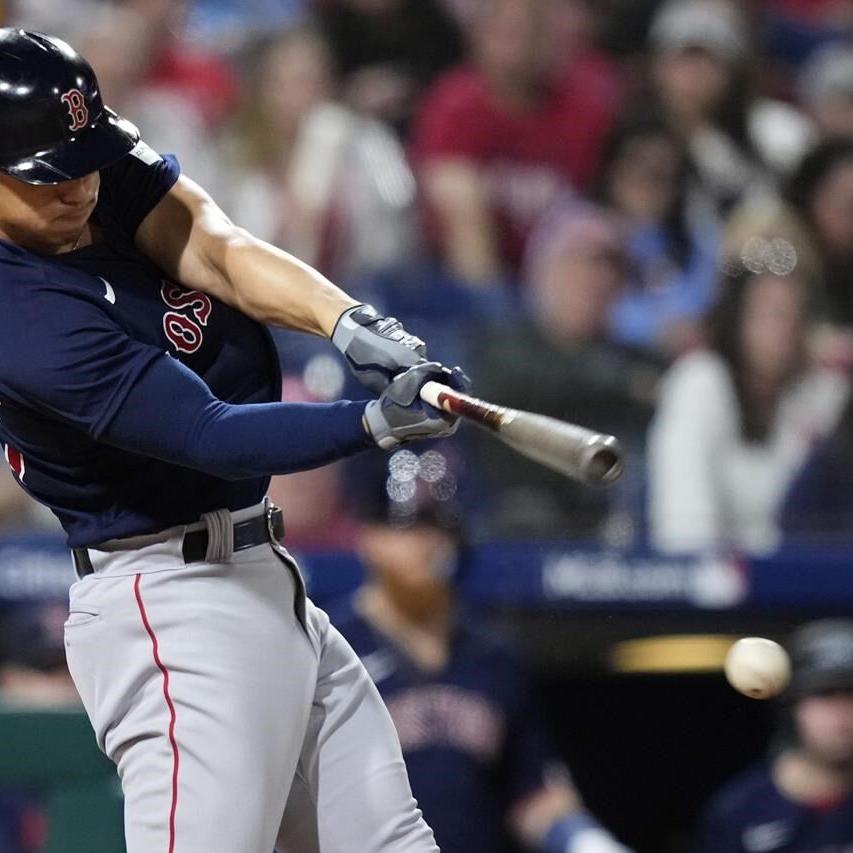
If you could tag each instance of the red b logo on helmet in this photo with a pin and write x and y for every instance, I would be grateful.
(77, 109)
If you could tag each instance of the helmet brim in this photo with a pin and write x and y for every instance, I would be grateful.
(100, 144)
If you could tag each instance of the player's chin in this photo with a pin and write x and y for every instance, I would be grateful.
(72, 219)
(64, 229)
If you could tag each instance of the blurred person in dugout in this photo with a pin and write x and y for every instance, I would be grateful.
(701, 64)
(801, 799)
(497, 139)
(309, 175)
(478, 760)
(672, 247)
(388, 51)
(558, 359)
(33, 675)
(736, 420)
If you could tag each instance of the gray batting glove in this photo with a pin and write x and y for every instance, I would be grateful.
(376, 348)
(400, 415)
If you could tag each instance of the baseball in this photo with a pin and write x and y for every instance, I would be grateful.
(758, 668)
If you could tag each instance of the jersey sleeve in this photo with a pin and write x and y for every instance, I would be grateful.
(67, 358)
(132, 187)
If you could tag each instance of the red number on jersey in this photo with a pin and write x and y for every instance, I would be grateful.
(185, 335)
(176, 296)
(16, 462)
(185, 332)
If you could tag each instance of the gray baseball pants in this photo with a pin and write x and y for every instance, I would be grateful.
(239, 719)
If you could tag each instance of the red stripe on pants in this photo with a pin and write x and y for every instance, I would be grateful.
(172, 715)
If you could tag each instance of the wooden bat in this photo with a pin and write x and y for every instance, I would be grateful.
(584, 455)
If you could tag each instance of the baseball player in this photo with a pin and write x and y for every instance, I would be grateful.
(478, 760)
(137, 390)
(801, 800)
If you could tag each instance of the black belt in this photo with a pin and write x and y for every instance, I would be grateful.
(254, 531)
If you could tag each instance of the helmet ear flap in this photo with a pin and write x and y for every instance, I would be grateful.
(55, 125)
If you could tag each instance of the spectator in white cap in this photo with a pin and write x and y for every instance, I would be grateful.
(700, 74)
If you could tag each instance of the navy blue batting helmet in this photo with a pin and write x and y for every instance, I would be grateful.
(821, 657)
(54, 125)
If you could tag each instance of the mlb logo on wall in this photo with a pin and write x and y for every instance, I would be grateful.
(16, 462)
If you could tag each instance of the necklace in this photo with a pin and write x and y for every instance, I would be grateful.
(79, 238)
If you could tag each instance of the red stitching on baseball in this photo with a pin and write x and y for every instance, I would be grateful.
(173, 716)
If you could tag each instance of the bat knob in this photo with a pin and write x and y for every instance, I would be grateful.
(604, 460)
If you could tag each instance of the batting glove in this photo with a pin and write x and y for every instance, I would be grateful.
(399, 415)
(376, 348)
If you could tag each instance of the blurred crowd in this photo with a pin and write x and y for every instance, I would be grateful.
(637, 216)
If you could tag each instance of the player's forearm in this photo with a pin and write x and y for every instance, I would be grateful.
(231, 441)
(194, 242)
(274, 287)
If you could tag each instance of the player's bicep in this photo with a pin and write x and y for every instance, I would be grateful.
(187, 235)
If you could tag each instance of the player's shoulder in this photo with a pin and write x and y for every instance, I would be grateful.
(41, 296)
(26, 276)
(131, 187)
(741, 794)
(139, 159)
(23, 275)
(18, 266)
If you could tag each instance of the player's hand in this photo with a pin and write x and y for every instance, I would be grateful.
(376, 348)
(400, 415)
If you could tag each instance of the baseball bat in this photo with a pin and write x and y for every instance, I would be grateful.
(579, 453)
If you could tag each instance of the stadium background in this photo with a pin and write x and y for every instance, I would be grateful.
(677, 154)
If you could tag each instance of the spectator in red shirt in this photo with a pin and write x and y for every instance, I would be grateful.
(497, 139)
(199, 75)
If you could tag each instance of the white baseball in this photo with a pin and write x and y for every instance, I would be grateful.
(758, 668)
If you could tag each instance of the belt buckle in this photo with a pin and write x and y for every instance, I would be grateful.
(269, 511)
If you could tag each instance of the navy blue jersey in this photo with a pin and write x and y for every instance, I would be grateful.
(751, 815)
(77, 330)
(470, 736)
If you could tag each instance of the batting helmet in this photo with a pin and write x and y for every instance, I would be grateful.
(821, 657)
(54, 126)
